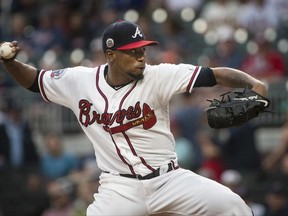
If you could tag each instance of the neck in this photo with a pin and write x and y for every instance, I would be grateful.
(115, 83)
(114, 80)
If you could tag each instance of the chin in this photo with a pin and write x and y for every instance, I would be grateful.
(136, 76)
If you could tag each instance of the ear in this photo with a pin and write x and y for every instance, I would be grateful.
(110, 55)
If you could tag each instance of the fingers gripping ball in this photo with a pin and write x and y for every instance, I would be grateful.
(235, 108)
(6, 51)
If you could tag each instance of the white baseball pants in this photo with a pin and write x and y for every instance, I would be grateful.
(179, 192)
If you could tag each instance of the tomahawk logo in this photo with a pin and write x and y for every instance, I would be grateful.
(147, 120)
(137, 32)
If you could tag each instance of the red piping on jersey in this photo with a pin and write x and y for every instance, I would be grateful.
(192, 79)
(99, 90)
(105, 111)
(126, 136)
(42, 86)
(121, 156)
(120, 107)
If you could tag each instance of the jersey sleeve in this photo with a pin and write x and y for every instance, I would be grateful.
(57, 85)
(175, 79)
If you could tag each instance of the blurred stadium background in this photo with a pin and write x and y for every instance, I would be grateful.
(55, 34)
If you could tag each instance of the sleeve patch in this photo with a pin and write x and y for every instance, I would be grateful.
(56, 74)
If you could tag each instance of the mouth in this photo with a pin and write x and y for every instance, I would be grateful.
(142, 67)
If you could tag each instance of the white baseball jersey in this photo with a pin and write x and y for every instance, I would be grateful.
(130, 132)
(129, 127)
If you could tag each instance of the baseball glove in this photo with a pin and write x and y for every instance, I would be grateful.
(235, 108)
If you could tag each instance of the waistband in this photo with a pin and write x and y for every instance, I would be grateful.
(154, 174)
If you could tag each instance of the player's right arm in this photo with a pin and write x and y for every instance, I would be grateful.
(23, 73)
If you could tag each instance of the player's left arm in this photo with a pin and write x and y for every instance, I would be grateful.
(235, 78)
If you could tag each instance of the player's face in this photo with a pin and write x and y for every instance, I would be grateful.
(132, 62)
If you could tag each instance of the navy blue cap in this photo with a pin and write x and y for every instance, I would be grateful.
(124, 35)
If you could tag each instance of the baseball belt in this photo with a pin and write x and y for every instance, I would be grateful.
(155, 173)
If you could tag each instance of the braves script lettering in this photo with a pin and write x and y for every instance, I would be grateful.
(87, 117)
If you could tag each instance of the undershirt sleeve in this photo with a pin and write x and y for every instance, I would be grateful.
(205, 78)
(35, 87)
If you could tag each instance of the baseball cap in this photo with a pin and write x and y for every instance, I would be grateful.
(124, 35)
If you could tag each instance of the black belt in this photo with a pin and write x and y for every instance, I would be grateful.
(150, 175)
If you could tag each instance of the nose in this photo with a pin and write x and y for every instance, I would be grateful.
(141, 58)
(141, 55)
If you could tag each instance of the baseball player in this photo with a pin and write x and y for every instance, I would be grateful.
(123, 108)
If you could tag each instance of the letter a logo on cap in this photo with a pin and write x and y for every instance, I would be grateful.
(137, 32)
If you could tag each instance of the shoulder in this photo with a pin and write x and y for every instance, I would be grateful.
(170, 70)
(164, 67)
(81, 69)
(70, 72)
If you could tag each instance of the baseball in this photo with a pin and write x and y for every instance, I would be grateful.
(6, 51)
